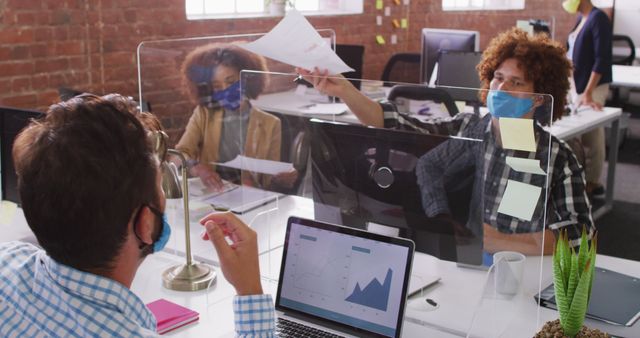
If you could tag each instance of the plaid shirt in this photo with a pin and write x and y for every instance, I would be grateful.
(567, 204)
(42, 298)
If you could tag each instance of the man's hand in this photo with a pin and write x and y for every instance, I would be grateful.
(209, 177)
(238, 260)
(525, 243)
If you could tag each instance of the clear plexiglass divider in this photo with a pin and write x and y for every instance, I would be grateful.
(476, 190)
(192, 86)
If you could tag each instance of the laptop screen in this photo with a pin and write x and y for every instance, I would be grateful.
(344, 275)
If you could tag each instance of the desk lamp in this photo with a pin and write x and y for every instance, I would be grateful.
(190, 276)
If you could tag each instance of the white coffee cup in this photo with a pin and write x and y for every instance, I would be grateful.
(509, 266)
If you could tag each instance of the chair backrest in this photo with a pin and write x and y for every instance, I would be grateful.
(424, 93)
(353, 56)
(402, 67)
(624, 41)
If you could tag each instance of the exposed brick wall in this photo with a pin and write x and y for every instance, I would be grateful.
(91, 44)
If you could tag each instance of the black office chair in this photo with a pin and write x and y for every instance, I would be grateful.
(402, 67)
(353, 56)
(624, 41)
(424, 93)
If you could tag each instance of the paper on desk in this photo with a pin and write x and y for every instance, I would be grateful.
(294, 41)
(325, 109)
(257, 165)
(517, 134)
(519, 200)
(241, 200)
(525, 165)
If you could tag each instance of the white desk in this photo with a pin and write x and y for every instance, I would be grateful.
(457, 294)
(626, 76)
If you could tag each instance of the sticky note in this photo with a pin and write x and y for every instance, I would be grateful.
(387, 11)
(461, 105)
(517, 134)
(404, 23)
(394, 39)
(397, 2)
(395, 23)
(379, 20)
(406, 2)
(525, 165)
(519, 200)
(7, 211)
(379, 4)
(525, 26)
(380, 40)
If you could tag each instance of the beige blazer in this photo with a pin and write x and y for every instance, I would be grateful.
(201, 139)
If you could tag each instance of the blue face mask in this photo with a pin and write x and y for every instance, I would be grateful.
(229, 98)
(503, 104)
(164, 235)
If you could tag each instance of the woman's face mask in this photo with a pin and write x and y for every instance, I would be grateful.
(229, 98)
(571, 6)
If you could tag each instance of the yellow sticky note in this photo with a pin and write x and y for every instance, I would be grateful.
(380, 39)
(519, 200)
(525, 26)
(517, 134)
(7, 211)
(397, 2)
(395, 23)
(404, 23)
(525, 165)
(379, 4)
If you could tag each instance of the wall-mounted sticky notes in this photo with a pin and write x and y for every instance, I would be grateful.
(380, 39)
(394, 39)
(379, 4)
(395, 23)
(406, 2)
(519, 200)
(525, 165)
(379, 20)
(387, 11)
(517, 134)
(404, 23)
(397, 2)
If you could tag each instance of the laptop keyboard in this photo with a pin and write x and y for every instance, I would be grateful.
(287, 328)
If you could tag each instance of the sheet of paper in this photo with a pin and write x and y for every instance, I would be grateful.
(325, 109)
(7, 211)
(519, 200)
(460, 105)
(517, 134)
(294, 41)
(257, 165)
(241, 200)
(525, 165)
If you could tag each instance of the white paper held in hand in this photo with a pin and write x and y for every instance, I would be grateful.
(294, 41)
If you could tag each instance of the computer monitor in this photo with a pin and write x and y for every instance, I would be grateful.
(12, 121)
(436, 40)
(366, 177)
(458, 69)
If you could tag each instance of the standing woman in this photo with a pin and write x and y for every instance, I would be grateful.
(589, 46)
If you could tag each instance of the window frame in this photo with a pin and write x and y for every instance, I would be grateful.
(347, 7)
(487, 5)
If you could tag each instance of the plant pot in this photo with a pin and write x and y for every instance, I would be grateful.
(554, 330)
(277, 8)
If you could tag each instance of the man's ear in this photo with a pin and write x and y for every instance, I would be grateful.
(145, 225)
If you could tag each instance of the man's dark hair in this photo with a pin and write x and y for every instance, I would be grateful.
(83, 170)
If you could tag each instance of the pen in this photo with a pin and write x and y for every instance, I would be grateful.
(237, 212)
(306, 106)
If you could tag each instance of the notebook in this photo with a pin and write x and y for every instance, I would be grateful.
(342, 281)
(170, 316)
(615, 298)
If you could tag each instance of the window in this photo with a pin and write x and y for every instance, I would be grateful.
(212, 9)
(475, 5)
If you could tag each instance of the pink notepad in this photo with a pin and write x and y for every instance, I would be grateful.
(170, 316)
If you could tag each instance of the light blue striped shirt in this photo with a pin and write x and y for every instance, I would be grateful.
(42, 298)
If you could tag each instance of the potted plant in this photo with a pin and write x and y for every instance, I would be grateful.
(572, 279)
(277, 7)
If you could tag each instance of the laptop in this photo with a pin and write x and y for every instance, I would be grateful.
(341, 282)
